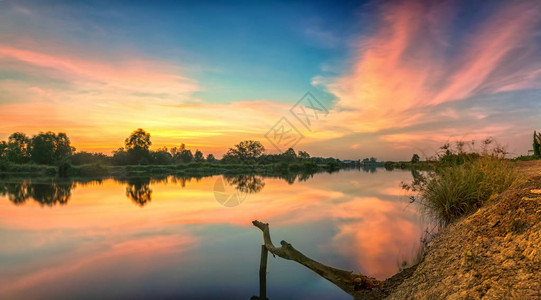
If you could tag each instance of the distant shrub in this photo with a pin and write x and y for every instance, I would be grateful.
(332, 166)
(389, 165)
(309, 166)
(90, 170)
(63, 168)
(526, 158)
(282, 167)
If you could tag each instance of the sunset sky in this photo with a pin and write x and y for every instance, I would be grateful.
(396, 77)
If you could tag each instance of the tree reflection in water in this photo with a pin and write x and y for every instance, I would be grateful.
(52, 194)
(49, 193)
(246, 183)
(369, 168)
(138, 190)
(56, 191)
(17, 192)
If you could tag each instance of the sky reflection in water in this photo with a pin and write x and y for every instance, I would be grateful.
(171, 238)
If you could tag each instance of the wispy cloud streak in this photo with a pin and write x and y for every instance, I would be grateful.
(421, 57)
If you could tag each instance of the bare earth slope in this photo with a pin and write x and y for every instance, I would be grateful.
(492, 254)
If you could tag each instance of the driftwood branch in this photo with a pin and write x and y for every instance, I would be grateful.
(357, 285)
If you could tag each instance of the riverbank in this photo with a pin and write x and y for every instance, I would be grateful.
(493, 254)
(190, 169)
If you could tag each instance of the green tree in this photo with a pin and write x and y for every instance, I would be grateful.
(49, 148)
(245, 151)
(63, 148)
(120, 157)
(415, 158)
(138, 139)
(18, 148)
(199, 156)
(161, 157)
(177, 151)
(304, 155)
(3, 149)
(174, 151)
(137, 145)
(186, 156)
(210, 158)
(289, 155)
(536, 144)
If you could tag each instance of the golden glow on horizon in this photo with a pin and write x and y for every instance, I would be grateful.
(108, 102)
(398, 94)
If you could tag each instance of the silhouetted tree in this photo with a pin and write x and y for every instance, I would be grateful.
(174, 152)
(289, 155)
(120, 157)
(199, 156)
(49, 148)
(245, 151)
(210, 158)
(186, 156)
(304, 155)
(43, 148)
(63, 148)
(18, 148)
(137, 145)
(3, 150)
(415, 158)
(138, 139)
(536, 144)
(161, 157)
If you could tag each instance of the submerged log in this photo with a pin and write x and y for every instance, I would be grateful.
(357, 285)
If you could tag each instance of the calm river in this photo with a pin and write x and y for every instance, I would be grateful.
(193, 238)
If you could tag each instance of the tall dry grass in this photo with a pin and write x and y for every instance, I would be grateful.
(463, 182)
(458, 190)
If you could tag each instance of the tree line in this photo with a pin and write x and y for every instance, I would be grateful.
(49, 148)
(43, 148)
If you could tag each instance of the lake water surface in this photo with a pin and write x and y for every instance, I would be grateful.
(174, 238)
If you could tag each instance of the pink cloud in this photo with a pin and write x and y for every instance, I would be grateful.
(512, 26)
(402, 74)
(130, 75)
(97, 257)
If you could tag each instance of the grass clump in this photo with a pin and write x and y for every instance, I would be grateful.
(461, 189)
(457, 189)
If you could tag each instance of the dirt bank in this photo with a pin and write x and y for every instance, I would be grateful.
(492, 254)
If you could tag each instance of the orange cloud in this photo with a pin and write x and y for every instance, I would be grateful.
(378, 235)
(103, 103)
